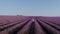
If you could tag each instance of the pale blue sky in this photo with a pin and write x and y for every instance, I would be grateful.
(30, 7)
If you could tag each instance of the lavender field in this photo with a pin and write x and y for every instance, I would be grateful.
(29, 25)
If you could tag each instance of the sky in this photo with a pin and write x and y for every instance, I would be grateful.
(30, 7)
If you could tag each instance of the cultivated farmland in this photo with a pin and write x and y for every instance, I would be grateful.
(29, 25)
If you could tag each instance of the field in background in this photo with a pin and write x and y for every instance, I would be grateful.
(29, 25)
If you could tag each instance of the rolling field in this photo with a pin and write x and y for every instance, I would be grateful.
(29, 25)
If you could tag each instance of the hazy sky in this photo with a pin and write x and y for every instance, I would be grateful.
(30, 7)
